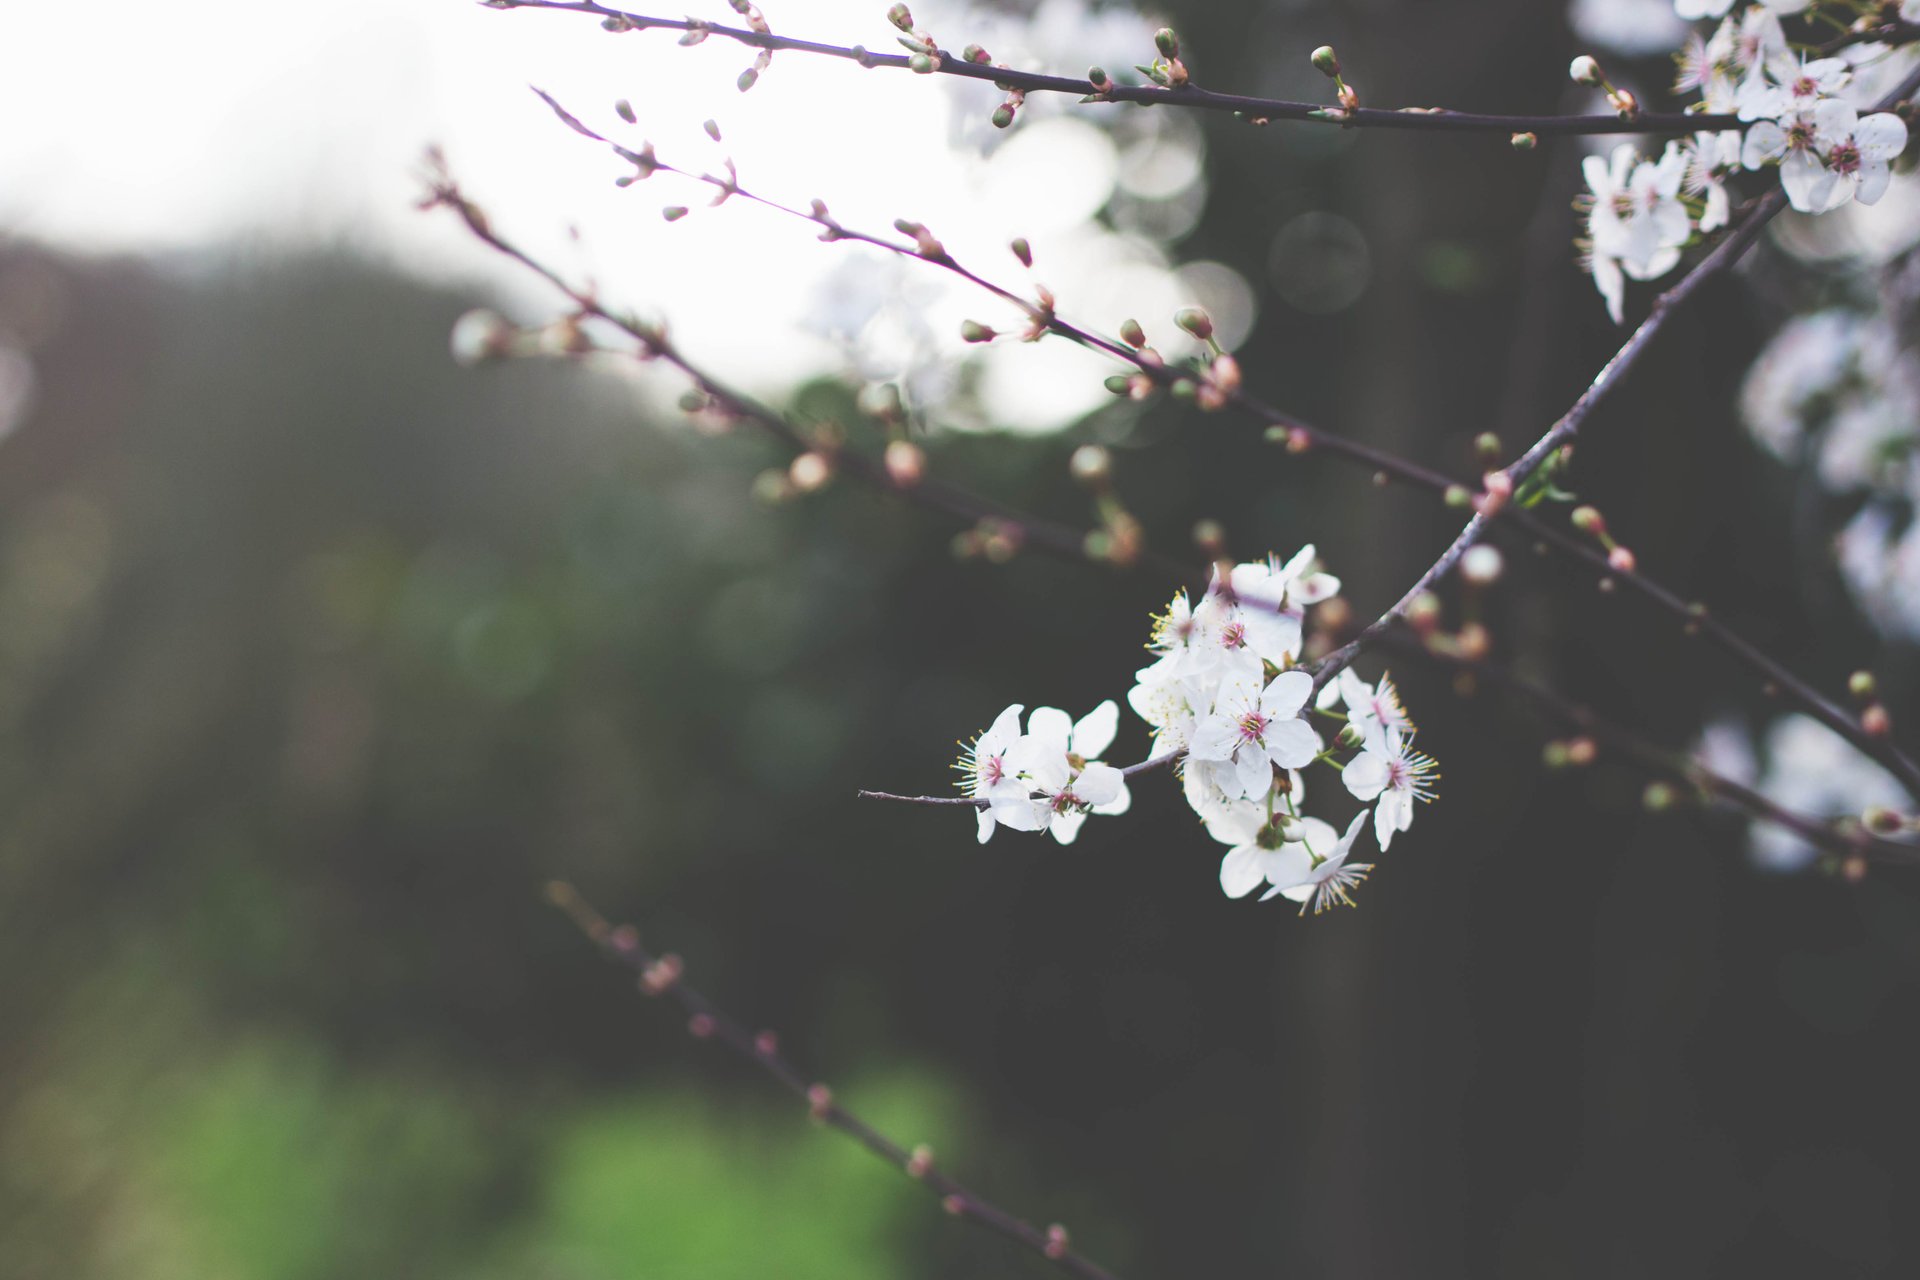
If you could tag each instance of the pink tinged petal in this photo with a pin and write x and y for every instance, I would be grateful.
(1241, 871)
(1365, 775)
(1872, 178)
(1094, 734)
(1881, 136)
(1314, 588)
(1287, 694)
(1292, 743)
(1051, 729)
(1066, 826)
(1099, 784)
(1765, 141)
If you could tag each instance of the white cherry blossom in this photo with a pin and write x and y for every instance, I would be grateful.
(990, 777)
(1250, 730)
(1390, 770)
(1261, 852)
(1317, 878)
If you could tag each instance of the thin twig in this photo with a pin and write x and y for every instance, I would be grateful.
(1302, 436)
(662, 976)
(1434, 119)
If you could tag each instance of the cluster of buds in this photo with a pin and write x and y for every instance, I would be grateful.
(1327, 62)
(923, 48)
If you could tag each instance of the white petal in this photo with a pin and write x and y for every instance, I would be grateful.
(1118, 805)
(1066, 826)
(1292, 744)
(1240, 871)
(1214, 739)
(1765, 141)
(1873, 178)
(986, 825)
(1099, 784)
(1051, 729)
(1002, 733)
(1881, 136)
(1251, 772)
(1094, 734)
(1808, 184)
(1365, 775)
(1287, 694)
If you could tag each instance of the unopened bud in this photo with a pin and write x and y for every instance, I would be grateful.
(1584, 70)
(1862, 685)
(624, 110)
(1167, 42)
(1299, 440)
(1581, 752)
(974, 331)
(1486, 447)
(1423, 614)
(900, 16)
(700, 1026)
(906, 463)
(766, 1043)
(1659, 797)
(1211, 537)
(1225, 371)
(1625, 102)
(1883, 822)
(1002, 117)
(920, 1161)
(1482, 565)
(809, 471)
(974, 53)
(955, 1205)
(1499, 488)
(1554, 755)
(479, 336)
(1875, 722)
(1091, 465)
(1132, 334)
(1326, 61)
(819, 1101)
(1474, 642)
(1023, 251)
(1196, 322)
(1524, 141)
(1621, 560)
(1588, 520)
(674, 212)
(922, 64)
(747, 80)
(1119, 383)
(1056, 1246)
(1853, 869)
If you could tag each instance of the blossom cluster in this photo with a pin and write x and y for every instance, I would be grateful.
(1838, 392)
(1226, 699)
(1798, 118)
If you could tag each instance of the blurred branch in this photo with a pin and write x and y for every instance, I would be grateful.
(662, 976)
(943, 62)
(1847, 840)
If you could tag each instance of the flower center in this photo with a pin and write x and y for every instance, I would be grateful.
(1234, 635)
(1253, 726)
(1844, 158)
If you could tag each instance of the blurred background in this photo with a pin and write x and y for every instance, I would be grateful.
(320, 654)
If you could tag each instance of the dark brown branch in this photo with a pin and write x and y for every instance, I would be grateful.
(662, 976)
(1432, 119)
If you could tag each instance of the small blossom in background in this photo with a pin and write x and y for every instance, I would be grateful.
(1809, 769)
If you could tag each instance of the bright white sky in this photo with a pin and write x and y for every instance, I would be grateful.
(143, 126)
